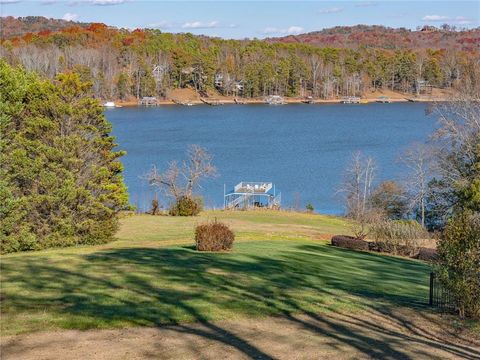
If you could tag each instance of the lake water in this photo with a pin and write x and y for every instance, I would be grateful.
(303, 149)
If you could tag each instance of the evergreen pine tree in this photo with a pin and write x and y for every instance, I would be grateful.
(61, 179)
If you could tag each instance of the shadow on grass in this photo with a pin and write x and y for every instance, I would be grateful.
(177, 286)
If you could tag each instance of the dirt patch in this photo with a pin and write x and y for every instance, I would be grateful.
(399, 334)
(181, 95)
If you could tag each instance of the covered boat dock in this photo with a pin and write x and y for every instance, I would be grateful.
(250, 195)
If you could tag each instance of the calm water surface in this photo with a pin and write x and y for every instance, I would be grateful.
(303, 149)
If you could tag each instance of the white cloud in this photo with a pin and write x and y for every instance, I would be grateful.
(435, 18)
(292, 30)
(107, 2)
(201, 25)
(97, 2)
(332, 10)
(366, 3)
(460, 20)
(9, 1)
(69, 17)
(48, 2)
(271, 30)
(162, 25)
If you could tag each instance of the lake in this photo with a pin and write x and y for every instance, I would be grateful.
(302, 148)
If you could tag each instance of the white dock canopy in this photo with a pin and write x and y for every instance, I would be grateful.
(248, 195)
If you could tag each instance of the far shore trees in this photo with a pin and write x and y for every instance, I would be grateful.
(352, 61)
(179, 181)
(60, 179)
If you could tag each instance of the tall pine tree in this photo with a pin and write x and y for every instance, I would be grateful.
(60, 178)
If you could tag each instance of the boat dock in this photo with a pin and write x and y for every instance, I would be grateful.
(148, 101)
(211, 102)
(274, 100)
(250, 195)
(184, 103)
(384, 100)
(351, 100)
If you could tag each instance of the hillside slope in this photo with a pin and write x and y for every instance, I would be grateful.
(11, 26)
(353, 37)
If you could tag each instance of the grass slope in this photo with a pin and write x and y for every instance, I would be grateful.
(152, 275)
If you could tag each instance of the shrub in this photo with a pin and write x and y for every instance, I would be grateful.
(349, 242)
(362, 223)
(309, 208)
(213, 237)
(390, 248)
(427, 254)
(399, 237)
(459, 259)
(186, 206)
(155, 207)
(390, 198)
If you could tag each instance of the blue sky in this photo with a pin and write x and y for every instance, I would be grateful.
(242, 19)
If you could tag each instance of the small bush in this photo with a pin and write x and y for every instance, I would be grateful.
(186, 206)
(155, 207)
(362, 222)
(349, 242)
(391, 248)
(427, 254)
(213, 237)
(399, 237)
(309, 208)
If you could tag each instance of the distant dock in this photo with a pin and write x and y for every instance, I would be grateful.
(148, 101)
(351, 100)
(211, 102)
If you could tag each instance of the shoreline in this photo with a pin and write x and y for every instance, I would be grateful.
(231, 101)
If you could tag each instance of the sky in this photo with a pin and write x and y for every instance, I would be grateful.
(250, 19)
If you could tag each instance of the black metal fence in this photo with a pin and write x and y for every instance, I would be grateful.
(440, 297)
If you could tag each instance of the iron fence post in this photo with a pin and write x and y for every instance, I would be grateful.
(432, 276)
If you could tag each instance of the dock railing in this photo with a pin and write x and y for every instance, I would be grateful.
(252, 187)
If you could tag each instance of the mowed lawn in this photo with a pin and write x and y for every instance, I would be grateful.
(281, 264)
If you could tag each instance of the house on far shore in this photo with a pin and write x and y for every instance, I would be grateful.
(250, 195)
(422, 87)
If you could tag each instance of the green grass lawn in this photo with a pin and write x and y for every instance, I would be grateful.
(152, 275)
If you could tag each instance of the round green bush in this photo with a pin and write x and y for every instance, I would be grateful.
(186, 206)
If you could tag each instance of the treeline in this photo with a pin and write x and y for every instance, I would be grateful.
(123, 64)
(380, 37)
(18, 26)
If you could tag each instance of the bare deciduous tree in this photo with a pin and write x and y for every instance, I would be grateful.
(357, 184)
(456, 141)
(418, 158)
(180, 180)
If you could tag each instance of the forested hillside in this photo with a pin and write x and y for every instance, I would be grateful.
(124, 64)
(12, 26)
(375, 36)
